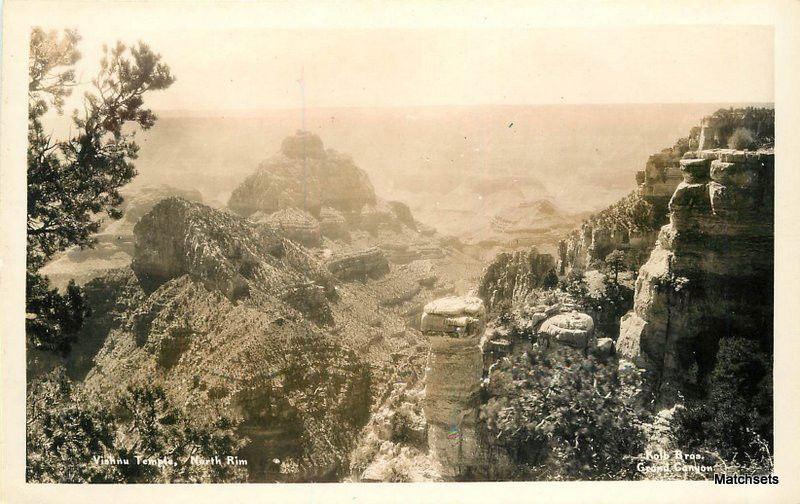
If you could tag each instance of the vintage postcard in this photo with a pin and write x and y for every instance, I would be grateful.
(436, 251)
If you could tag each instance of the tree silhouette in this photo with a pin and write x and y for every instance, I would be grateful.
(73, 181)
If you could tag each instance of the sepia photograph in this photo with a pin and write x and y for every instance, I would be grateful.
(411, 254)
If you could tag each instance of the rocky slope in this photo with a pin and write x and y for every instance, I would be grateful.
(299, 323)
(710, 273)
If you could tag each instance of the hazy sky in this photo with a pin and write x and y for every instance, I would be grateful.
(248, 69)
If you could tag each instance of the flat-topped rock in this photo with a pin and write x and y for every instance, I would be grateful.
(573, 329)
(454, 325)
(452, 306)
(695, 170)
(458, 316)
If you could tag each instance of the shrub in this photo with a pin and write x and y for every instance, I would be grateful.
(66, 429)
(741, 139)
(734, 417)
(550, 280)
(575, 419)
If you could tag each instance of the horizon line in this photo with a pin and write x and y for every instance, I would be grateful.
(767, 104)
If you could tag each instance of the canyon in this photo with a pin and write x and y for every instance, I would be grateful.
(357, 343)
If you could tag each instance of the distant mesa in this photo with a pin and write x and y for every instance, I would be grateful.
(306, 176)
(303, 144)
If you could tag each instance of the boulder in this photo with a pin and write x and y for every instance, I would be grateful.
(456, 316)
(573, 329)
(690, 196)
(695, 171)
(605, 347)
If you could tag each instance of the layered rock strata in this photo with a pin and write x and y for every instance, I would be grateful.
(333, 225)
(710, 274)
(359, 265)
(454, 326)
(292, 223)
(228, 254)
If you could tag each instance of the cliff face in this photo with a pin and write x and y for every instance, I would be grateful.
(228, 254)
(115, 241)
(630, 225)
(511, 276)
(710, 273)
(306, 176)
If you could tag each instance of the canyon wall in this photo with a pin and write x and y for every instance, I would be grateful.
(512, 275)
(710, 274)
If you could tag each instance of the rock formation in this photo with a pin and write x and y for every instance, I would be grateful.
(292, 223)
(333, 225)
(537, 222)
(454, 326)
(710, 273)
(513, 275)
(306, 176)
(259, 317)
(115, 240)
(381, 215)
(403, 213)
(226, 253)
(359, 265)
(573, 329)
(629, 224)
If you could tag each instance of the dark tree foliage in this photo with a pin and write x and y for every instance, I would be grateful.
(615, 263)
(66, 430)
(632, 214)
(63, 433)
(53, 318)
(574, 418)
(72, 181)
(550, 280)
(734, 415)
(760, 122)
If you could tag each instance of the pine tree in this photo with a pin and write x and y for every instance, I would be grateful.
(73, 181)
